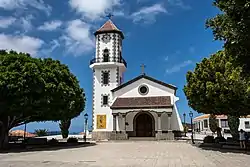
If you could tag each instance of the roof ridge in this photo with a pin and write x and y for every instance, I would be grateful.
(108, 25)
(147, 77)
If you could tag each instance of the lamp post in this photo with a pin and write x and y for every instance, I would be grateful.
(184, 116)
(192, 135)
(85, 127)
(24, 134)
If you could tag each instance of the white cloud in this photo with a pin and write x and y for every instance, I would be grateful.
(148, 14)
(178, 67)
(142, 1)
(54, 44)
(50, 26)
(24, 4)
(24, 44)
(93, 9)
(25, 22)
(179, 3)
(46, 52)
(5, 22)
(118, 13)
(78, 38)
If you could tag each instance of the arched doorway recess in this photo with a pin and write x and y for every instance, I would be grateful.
(144, 124)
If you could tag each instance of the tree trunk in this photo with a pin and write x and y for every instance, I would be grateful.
(64, 126)
(233, 123)
(219, 132)
(4, 135)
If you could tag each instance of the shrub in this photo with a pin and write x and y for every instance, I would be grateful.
(230, 139)
(185, 128)
(177, 133)
(208, 139)
(72, 140)
(219, 139)
(41, 132)
(53, 141)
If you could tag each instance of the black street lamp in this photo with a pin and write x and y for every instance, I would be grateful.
(85, 127)
(192, 135)
(184, 116)
(24, 134)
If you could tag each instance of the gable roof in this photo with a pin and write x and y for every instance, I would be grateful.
(108, 27)
(145, 77)
(142, 102)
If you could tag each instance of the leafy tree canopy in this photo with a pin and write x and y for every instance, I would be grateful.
(33, 89)
(216, 87)
(233, 26)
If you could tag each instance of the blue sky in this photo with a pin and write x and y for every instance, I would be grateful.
(169, 36)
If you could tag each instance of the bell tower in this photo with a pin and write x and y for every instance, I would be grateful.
(108, 67)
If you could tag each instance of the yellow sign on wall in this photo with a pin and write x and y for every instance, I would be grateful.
(101, 121)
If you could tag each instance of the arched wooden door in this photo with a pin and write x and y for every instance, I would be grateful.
(144, 125)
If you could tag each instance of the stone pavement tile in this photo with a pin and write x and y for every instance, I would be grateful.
(127, 154)
(227, 159)
(41, 164)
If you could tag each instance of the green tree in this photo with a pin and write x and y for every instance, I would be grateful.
(217, 87)
(213, 123)
(34, 89)
(64, 126)
(232, 26)
(41, 132)
(233, 123)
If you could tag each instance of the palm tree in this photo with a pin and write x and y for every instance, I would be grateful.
(41, 132)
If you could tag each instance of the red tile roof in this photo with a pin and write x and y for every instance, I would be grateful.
(142, 102)
(109, 26)
(206, 116)
(21, 133)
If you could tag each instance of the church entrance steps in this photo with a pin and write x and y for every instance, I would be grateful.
(142, 138)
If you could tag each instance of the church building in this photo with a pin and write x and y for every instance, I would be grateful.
(141, 107)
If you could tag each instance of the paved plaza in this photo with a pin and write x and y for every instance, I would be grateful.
(127, 153)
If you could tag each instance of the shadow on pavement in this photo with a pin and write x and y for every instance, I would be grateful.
(224, 150)
(61, 146)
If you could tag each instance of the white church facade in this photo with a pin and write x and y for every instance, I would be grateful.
(141, 107)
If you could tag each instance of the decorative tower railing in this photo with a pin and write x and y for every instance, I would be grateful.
(101, 60)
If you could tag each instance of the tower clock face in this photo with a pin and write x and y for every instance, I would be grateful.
(106, 38)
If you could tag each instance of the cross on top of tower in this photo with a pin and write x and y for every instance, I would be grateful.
(143, 69)
(109, 16)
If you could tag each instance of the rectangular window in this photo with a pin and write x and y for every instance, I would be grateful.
(247, 125)
(224, 123)
(205, 123)
(105, 80)
(105, 100)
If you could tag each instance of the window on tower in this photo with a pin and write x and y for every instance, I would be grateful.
(106, 55)
(105, 79)
(105, 100)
